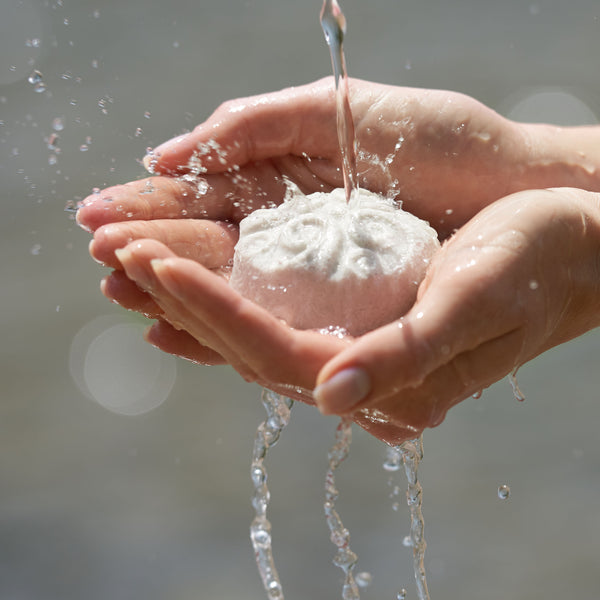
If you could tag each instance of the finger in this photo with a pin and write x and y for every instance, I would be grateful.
(136, 260)
(155, 197)
(118, 288)
(249, 334)
(207, 242)
(228, 196)
(292, 121)
(180, 343)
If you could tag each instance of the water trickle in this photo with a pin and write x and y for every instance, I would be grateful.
(333, 23)
(345, 558)
(410, 454)
(278, 415)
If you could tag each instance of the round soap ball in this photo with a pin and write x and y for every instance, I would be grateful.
(318, 261)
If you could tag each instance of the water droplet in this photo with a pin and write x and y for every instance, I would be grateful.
(96, 14)
(84, 148)
(176, 44)
(36, 79)
(52, 159)
(364, 579)
(392, 461)
(138, 132)
(52, 141)
(401, 595)
(66, 21)
(517, 393)
(95, 63)
(147, 114)
(533, 285)
(503, 492)
(407, 541)
(36, 249)
(58, 124)
(33, 43)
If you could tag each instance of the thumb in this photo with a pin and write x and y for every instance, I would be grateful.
(291, 121)
(441, 346)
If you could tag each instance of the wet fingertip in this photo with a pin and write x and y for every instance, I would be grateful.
(343, 391)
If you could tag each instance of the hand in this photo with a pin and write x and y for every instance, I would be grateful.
(519, 278)
(444, 154)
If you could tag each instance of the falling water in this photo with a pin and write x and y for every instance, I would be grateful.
(333, 23)
(345, 559)
(278, 415)
(410, 454)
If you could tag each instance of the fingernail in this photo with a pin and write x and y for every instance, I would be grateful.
(123, 255)
(142, 276)
(340, 393)
(164, 275)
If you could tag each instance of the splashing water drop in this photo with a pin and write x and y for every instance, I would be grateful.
(37, 81)
(58, 124)
(35, 77)
(401, 595)
(364, 579)
(503, 492)
(392, 460)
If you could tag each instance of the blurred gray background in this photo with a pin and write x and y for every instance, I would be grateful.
(96, 504)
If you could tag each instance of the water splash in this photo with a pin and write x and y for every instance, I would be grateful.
(345, 558)
(410, 454)
(278, 415)
(333, 23)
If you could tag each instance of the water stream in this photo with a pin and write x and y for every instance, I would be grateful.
(409, 454)
(345, 558)
(278, 415)
(333, 23)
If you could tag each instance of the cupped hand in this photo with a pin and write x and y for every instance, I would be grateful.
(443, 154)
(519, 278)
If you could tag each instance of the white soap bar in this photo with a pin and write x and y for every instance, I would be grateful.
(317, 261)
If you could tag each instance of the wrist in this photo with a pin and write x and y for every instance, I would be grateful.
(560, 157)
